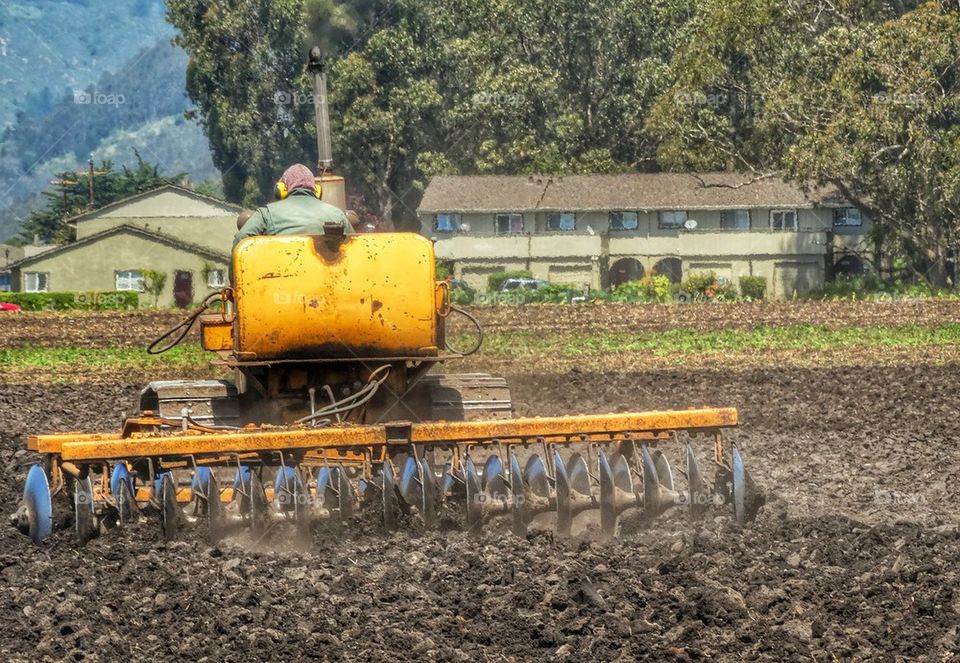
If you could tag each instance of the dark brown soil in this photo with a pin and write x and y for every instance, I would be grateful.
(855, 556)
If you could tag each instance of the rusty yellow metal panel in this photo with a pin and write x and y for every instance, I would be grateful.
(301, 296)
(216, 334)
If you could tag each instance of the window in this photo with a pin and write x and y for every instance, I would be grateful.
(509, 223)
(735, 219)
(564, 221)
(847, 217)
(216, 278)
(36, 281)
(446, 223)
(623, 221)
(5, 282)
(783, 219)
(130, 280)
(672, 219)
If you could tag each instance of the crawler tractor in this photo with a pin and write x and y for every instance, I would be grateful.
(336, 411)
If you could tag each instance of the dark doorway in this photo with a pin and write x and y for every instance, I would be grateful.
(672, 268)
(183, 289)
(848, 265)
(625, 269)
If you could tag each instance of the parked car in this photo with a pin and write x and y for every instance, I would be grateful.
(5, 306)
(515, 284)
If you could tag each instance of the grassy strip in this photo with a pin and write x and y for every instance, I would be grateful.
(685, 341)
(510, 344)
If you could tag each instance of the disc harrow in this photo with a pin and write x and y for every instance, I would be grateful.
(546, 471)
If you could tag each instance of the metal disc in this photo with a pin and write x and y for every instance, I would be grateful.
(257, 517)
(389, 495)
(169, 511)
(38, 505)
(564, 510)
(428, 492)
(664, 473)
(535, 476)
(241, 489)
(474, 496)
(301, 508)
(211, 491)
(494, 480)
(651, 483)
(696, 489)
(409, 482)
(285, 490)
(622, 478)
(518, 500)
(323, 480)
(338, 495)
(739, 487)
(83, 510)
(608, 496)
(578, 475)
(121, 487)
(447, 480)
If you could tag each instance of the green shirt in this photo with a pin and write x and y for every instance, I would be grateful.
(301, 213)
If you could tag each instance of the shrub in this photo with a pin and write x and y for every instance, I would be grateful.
(462, 296)
(753, 287)
(72, 301)
(553, 293)
(495, 280)
(655, 288)
(696, 285)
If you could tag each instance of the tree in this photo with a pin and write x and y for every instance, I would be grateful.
(70, 196)
(153, 284)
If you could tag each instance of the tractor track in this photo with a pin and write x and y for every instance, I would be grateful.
(856, 555)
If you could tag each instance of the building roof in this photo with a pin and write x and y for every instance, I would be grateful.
(634, 191)
(124, 229)
(100, 211)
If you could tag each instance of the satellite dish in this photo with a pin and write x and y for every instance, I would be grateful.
(465, 227)
(690, 224)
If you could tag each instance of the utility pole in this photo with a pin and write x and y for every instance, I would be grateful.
(90, 178)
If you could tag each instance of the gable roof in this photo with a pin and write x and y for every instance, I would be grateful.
(128, 229)
(634, 191)
(106, 209)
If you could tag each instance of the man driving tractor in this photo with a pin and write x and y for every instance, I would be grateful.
(298, 209)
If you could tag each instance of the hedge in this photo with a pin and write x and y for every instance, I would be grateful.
(72, 301)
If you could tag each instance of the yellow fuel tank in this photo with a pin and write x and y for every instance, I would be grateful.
(317, 297)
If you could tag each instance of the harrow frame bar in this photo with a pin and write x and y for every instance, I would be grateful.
(165, 445)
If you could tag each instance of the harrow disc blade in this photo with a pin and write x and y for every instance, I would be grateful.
(169, 511)
(338, 494)
(652, 505)
(494, 480)
(447, 480)
(535, 476)
(83, 510)
(608, 496)
(428, 492)
(579, 475)
(474, 496)
(622, 478)
(389, 504)
(518, 501)
(121, 487)
(564, 510)
(257, 515)
(696, 490)
(286, 488)
(323, 480)
(37, 505)
(748, 499)
(210, 490)
(409, 482)
(664, 473)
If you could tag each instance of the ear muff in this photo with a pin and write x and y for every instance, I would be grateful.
(280, 190)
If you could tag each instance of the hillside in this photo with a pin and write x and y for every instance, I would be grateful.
(51, 47)
(100, 105)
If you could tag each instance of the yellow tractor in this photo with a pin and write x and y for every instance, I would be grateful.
(335, 411)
